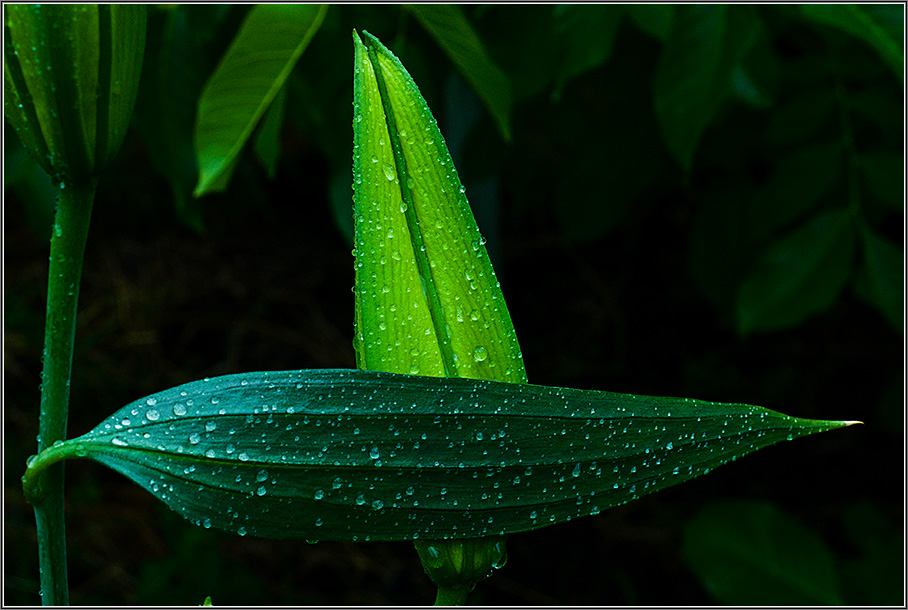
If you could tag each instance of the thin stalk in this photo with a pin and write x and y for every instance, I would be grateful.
(67, 247)
(451, 597)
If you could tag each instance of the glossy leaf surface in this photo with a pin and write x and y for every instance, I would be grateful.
(427, 300)
(249, 76)
(359, 455)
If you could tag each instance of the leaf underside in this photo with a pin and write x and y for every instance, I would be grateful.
(362, 455)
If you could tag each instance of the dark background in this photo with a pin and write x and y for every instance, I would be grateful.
(621, 263)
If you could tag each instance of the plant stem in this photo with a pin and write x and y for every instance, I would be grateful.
(451, 597)
(67, 247)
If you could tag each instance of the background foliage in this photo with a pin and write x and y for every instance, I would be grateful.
(703, 201)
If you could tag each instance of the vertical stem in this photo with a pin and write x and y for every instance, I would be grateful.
(67, 247)
(451, 597)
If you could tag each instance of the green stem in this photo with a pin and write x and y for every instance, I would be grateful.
(67, 247)
(451, 597)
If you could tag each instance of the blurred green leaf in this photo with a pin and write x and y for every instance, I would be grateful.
(884, 175)
(249, 76)
(654, 19)
(753, 554)
(267, 144)
(799, 275)
(705, 46)
(451, 30)
(357, 455)
(875, 575)
(165, 108)
(879, 25)
(717, 243)
(883, 269)
(800, 117)
(798, 183)
(585, 34)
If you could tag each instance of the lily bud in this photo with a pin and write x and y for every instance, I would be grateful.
(460, 564)
(71, 73)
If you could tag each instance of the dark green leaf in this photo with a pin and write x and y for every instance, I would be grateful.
(884, 174)
(883, 268)
(585, 34)
(267, 145)
(450, 28)
(655, 19)
(705, 45)
(752, 553)
(799, 275)
(361, 455)
(801, 117)
(798, 182)
(250, 74)
(879, 25)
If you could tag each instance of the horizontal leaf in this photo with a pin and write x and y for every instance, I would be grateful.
(250, 74)
(361, 455)
(799, 275)
(752, 553)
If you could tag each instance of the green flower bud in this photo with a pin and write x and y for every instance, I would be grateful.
(71, 73)
(460, 564)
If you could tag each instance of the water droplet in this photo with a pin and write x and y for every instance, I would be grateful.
(119, 441)
(576, 472)
(374, 453)
(261, 475)
(194, 438)
(152, 415)
(389, 172)
(243, 457)
(230, 448)
(319, 494)
(480, 354)
(151, 402)
(179, 409)
(360, 500)
(210, 426)
(242, 531)
(261, 491)
(377, 504)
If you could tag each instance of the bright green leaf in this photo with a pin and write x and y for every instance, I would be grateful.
(451, 30)
(427, 300)
(754, 554)
(879, 25)
(360, 455)
(799, 275)
(705, 44)
(249, 76)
